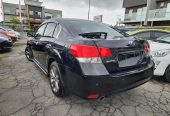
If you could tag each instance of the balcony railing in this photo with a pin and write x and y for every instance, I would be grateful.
(154, 15)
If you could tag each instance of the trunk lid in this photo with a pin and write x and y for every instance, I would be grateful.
(127, 53)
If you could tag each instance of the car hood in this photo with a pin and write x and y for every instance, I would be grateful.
(155, 46)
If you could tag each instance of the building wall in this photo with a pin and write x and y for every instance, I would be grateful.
(10, 11)
(135, 13)
(37, 12)
(132, 3)
(153, 4)
(54, 13)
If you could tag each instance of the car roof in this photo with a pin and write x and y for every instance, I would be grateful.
(143, 30)
(61, 20)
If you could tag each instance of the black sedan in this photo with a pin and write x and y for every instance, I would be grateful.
(5, 42)
(89, 59)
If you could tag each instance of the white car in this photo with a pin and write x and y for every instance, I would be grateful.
(160, 50)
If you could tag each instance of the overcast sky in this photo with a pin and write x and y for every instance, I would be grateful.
(110, 9)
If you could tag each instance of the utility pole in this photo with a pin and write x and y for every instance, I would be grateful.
(20, 17)
(147, 12)
(89, 11)
(27, 10)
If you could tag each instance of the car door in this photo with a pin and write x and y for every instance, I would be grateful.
(144, 35)
(46, 41)
(36, 46)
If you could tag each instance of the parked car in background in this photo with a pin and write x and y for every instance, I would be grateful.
(125, 30)
(15, 32)
(120, 31)
(5, 42)
(87, 58)
(160, 50)
(149, 34)
(11, 32)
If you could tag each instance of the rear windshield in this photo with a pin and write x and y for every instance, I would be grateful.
(91, 28)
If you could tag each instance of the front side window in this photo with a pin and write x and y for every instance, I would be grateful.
(40, 31)
(158, 34)
(165, 38)
(49, 30)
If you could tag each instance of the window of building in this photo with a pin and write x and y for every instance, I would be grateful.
(50, 29)
(162, 4)
(7, 18)
(39, 13)
(17, 11)
(7, 10)
(22, 12)
(58, 16)
(31, 12)
(130, 12)
(48, 15)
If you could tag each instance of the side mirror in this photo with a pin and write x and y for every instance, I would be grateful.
(30, 34)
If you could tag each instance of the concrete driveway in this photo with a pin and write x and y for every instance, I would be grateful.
(25, 91)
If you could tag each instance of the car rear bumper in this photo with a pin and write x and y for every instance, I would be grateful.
(161, 64)
(105, 85)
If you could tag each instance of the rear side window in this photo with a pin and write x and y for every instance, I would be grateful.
(49, 30)
(144, 35)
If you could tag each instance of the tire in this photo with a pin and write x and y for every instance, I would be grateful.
(28, 54)
(55, 80)
(167, 74)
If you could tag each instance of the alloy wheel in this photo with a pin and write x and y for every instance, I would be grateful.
(54, 79)
(28, 54)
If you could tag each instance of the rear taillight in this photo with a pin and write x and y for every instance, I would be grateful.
(93, 96)
(105, 52)
(90, 54)
(147, 48)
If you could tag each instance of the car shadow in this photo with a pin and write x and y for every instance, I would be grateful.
(159, 79)
(5, 51)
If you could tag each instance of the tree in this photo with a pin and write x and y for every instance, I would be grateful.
(15, 21)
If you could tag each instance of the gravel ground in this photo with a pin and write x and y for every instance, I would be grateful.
(25, 91)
